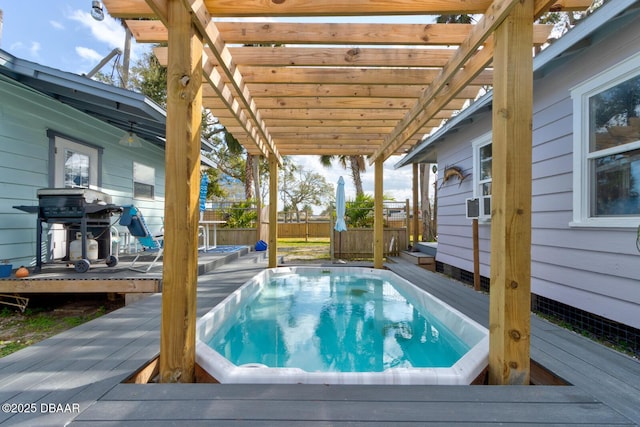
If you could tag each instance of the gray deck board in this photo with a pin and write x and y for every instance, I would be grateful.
(612, 377)
(364, 412)
(344, 404)
(87, 365)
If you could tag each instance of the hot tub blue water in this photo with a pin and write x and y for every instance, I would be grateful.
(338, 325)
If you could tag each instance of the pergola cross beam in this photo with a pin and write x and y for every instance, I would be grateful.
(208, 30)
(409, 125)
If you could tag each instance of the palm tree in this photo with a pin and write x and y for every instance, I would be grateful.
(355, 164)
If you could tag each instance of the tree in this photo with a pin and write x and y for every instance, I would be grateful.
(454, 19)
(428, 222)
(299, 187)
(214, 189)
(355, 164)
(150, 78)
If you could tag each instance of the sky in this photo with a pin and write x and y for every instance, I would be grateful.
(62, 34)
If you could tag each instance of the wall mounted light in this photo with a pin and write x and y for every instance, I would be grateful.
(96, 10)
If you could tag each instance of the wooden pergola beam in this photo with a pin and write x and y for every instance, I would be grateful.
(260, 90)
(202, 20)
(333, 123)
(408, 125)
(378, 220)
(273, 212)
(336, 113)
(230, 8)
(182, 184)
(510, 297)
(340, 76)
(233, 106)
(341, 57)
(244, 32)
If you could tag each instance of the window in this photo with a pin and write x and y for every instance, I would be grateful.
(76, 169)
(144, 178)
(482, 161)
(75, 163)
(607, 147)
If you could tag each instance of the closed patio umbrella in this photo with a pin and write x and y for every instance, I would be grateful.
(340, 211)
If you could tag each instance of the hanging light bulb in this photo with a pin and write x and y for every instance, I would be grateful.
(96, 10)
(130, 139)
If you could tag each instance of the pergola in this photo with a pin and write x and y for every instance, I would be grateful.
(287, 87)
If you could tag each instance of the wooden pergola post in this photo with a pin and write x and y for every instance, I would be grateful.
(273, 211)
(182, 181)
(378, 220)
(256, 183)
(510, 302)
(415, 223)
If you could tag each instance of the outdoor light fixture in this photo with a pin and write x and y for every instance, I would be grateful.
(130, 139)
(96, 10)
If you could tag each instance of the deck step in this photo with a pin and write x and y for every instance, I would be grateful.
(420, 259)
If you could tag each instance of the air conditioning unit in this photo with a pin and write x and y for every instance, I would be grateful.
(478, 207)
(473, 208)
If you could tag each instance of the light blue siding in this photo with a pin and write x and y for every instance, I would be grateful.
(25, 118)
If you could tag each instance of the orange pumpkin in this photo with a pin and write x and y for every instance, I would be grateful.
(22, 272)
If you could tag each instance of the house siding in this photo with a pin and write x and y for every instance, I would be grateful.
(594, 269)
(26, 116)
(455, 244)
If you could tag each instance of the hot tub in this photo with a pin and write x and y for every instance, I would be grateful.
(340, 325)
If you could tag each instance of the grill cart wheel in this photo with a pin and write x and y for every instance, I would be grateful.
(111, 261)
(82, 265)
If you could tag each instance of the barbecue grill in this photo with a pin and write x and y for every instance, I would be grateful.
(81, 211)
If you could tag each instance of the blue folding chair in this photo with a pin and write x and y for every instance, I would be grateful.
(132, 219)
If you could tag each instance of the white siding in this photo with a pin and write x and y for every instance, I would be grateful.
(596, 270)
(25, 117)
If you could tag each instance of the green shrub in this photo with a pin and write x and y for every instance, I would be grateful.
(359, 212)
(240, 215)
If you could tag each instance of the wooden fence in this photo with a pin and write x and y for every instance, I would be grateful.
(304, 229)
(355, 243)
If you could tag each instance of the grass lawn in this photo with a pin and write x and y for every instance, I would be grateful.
(299, 249)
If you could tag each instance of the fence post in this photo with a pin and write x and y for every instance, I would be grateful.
(406, 223)
(331, 240)
(306, 234)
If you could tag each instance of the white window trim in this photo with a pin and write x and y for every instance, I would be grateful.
(476, 144)
(580, 94)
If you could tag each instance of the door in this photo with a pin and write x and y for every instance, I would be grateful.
(75, 166)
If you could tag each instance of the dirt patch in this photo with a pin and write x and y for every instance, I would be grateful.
(48, 315)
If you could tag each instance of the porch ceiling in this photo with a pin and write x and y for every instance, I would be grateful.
(288, 88)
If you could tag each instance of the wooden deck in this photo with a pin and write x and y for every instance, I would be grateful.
(59, 277)
(86, 366)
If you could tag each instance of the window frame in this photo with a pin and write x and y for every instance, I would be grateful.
(139, 181)
(477, 144)
(582, 173)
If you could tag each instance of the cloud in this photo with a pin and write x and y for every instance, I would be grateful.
(88, 54)
(17, 46)
(34, 49)
(109, 31)
(57, 25)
